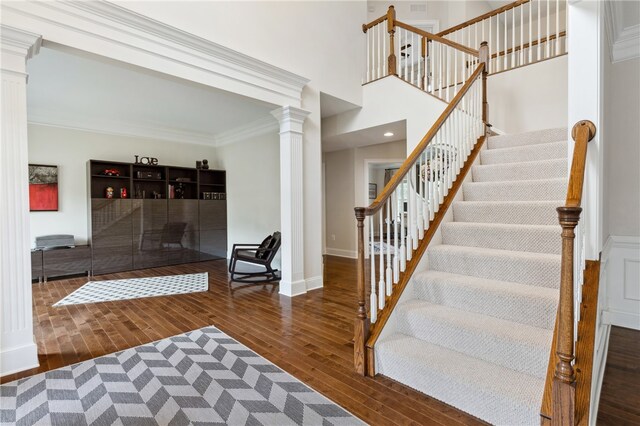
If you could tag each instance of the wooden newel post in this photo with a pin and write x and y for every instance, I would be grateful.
(361, 328)
(391, 29)
(564, 386)
(484, 58)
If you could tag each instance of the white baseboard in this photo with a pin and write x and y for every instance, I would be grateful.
(314, 283)
(292, 288)
(351, 254)
(18, 359)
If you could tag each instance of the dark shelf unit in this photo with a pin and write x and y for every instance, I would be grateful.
(144, 231)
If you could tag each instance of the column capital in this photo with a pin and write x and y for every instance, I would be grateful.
(290, 118)
(17, 47)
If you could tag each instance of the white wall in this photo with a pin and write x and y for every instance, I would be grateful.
(253, 188)
(347, 188)
(71, 149)
(529, 98)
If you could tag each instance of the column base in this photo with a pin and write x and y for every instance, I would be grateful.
(292, 288)
(14, 360)
(314, 283)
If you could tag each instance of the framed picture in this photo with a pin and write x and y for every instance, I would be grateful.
(43, 188)
(373, 191)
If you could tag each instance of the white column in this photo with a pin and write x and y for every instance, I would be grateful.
(291, 121)
(18, 350)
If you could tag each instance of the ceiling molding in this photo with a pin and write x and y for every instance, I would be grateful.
(150, 131)
(105, 23)
(624, 42)
(256, 128)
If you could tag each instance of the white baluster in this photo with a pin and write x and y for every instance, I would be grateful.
(530, 32)
(539, 37)
(385, 62)
(396, 253)
(506, 33)
(420, 204)
(455, 71)
(513, 38)
(389, 271)
(497, 43)
(372, 262)
(381, 284)
(489, 62)
(425, 204)
(548, 42)
(521, 35)
(414, 222)
(410, 219)
(557, 27)
(403, 253)
(412, 57)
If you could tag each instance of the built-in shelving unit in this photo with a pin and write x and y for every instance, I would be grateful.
(170, 215)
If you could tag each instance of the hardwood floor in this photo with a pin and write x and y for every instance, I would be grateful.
(620, 398)
(308, 336)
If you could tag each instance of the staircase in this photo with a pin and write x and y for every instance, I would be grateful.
(477, 332)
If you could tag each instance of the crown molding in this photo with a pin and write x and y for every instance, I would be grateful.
(120, 128)
(17, 47)
(105, 28)
(624, 42)
(256, 128)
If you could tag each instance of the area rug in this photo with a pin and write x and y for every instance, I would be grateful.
(135, 288)
(203, 377)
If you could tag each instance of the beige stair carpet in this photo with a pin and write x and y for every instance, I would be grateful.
(477, 333)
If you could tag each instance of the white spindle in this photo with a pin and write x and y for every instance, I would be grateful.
(513, 38)
(490, 63)
(455, 72)
(403, 252)
(497, 43)
(506, 33)
(548, 32)
(396, 221)
(372, 262)
(539, 36)
(381, 284)
(389, 271)
(521, 35)
(557, 27)
(413, 62)
(530, 50)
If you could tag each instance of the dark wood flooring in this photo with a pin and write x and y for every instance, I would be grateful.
(308, 336)
(620, 397)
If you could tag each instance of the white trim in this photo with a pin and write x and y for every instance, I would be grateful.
(314, 283)
(351, 254)
(624, 41)
(18, 359)
(621, 319)
(113, 31)
(621, 309)
(599, 365)
(255, 128)
(292, 288)
(98, 125)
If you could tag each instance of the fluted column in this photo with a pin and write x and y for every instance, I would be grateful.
(291, 121)
(18, 350)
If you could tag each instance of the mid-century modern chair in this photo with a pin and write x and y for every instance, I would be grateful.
(256, 254)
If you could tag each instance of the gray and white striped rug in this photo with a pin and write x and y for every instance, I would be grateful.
(135, 288)
(203, 377)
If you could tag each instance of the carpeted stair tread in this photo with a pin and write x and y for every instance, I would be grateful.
(523, 190)
(539, 269)
(528, 138)
(515, 212)
(528, 170)
(531, 238)
(543, 151)
(493, 393)
(513, 345)
(532, 305)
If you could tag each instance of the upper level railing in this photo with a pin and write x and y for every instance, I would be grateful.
(559, 401)
(432, 63)
(403, 218)
(520, 33)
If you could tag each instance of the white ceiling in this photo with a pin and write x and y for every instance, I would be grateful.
(365, 137)
(72, 88)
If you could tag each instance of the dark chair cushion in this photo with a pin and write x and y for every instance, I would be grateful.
(261, 253)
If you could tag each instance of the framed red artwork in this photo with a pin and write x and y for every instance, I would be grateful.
(43, 188)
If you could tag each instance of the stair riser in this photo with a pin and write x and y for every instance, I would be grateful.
(468, 395)
(524, 239)
(520, 171)
(530, 138)
(535, 311)
(515, 191)
(544, 273)
(525, 213)
(547, 151)
(481, 344)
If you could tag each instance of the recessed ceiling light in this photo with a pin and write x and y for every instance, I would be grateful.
(388, 134)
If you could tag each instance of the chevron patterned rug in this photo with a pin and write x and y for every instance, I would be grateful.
(201, 377)
(135, 288)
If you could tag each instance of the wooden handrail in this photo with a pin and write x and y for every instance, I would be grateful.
(563, 390)
(526, 45)
(365, 27)
(434, 37)
(408, 163)
(483, 17)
